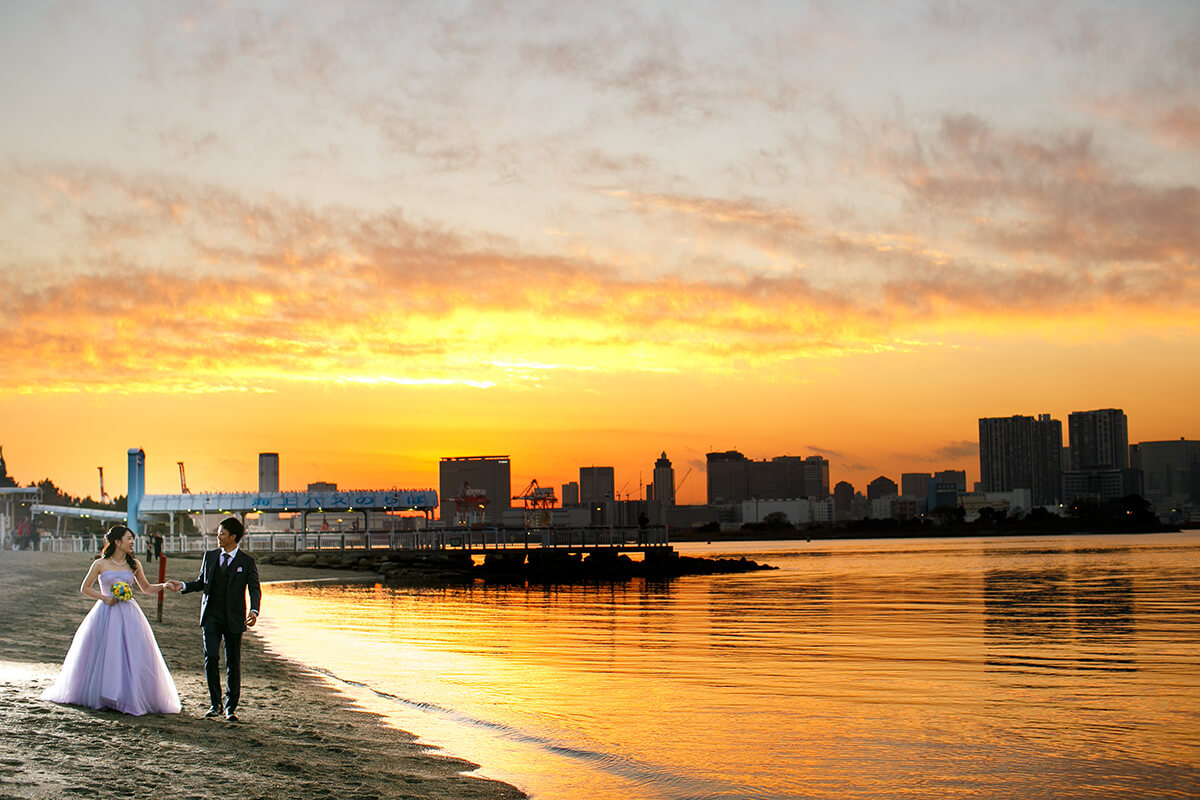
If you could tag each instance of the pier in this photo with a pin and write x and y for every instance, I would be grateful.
(475, 541)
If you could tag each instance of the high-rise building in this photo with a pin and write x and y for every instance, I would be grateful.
(843, 501)
(664, 481)
(881, 487)
(728, 478)
(1170, 476)
(597, 485)
(492, 474)
(916, 484)
(268, 472)
(1021, 452)
(733, 478)
(816, 477)
(570, 494)
(1099, 439)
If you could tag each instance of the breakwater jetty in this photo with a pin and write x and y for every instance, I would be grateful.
(554, 565)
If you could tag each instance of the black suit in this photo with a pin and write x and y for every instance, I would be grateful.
(223, 617)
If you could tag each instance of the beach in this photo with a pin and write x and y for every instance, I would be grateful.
(298, 736)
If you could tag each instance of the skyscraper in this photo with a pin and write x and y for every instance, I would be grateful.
(493, 474)
(596, 485)
(1099, 439)
(1171, 476)
(1022, 452)
(664, 481)
(733, 478)
(268, 472)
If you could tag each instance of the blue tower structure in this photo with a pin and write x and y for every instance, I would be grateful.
(137, 488)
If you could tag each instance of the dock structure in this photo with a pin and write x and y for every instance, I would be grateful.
(472, 541)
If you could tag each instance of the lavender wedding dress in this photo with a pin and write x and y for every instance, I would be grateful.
(114, 660)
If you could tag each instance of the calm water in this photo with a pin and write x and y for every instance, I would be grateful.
(1064, 667)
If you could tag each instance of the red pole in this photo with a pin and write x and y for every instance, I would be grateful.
(162, 576)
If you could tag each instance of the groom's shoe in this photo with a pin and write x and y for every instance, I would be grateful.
(213, 712)
(232, 717)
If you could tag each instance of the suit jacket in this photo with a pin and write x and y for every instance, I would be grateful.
(241, 577)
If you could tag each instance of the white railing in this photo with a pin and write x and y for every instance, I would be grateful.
(451, 539)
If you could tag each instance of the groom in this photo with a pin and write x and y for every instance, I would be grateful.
(226, 574)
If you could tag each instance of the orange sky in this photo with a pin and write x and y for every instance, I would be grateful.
(576, 242)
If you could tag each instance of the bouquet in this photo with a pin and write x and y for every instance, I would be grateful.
(122, 591)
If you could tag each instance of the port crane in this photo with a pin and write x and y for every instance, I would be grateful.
(183, 479)
(470, 504)
(538, 501)
(681, 481)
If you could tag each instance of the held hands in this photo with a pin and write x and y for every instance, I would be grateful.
(174, 586)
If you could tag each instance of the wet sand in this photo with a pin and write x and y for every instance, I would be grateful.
(298, 736)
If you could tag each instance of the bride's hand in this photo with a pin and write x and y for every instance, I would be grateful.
(109, 601)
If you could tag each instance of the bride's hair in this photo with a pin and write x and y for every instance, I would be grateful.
(114, 535)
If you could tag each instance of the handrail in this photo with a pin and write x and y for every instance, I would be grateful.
(452, 539)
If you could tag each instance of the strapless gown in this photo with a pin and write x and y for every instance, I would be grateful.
(114, 660)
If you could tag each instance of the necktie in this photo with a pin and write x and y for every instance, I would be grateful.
(225, 561)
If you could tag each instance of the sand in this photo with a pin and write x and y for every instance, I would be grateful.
(299, 737)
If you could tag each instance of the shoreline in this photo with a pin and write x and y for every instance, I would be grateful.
(299, 735)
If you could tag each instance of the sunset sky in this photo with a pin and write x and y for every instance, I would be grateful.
(370, 235)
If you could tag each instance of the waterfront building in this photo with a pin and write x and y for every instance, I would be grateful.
(881, 487)
(733, 478)
(917, 484)
(663, 487)
(268, 472)
(1021, 452)
(1171, 477)
(1099, 457)
(570, 494)
(1099, 439)
(843, 501)
(597, 485)
(322, 486)
(492, 474)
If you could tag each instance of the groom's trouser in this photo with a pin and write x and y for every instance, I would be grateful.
(214, 633)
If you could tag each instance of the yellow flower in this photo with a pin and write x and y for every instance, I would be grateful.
(122, 591)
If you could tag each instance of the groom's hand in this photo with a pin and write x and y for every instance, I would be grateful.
(174, 586)
(251, 618)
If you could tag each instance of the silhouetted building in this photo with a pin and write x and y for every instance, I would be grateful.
(916, 484)
(843, 500)
(570, 494)
(882, 487)
(728, 478)
(1021, 452)
(1100, 485)
(324, 486)
(1099, 457)
(1099, 439)
(664, 481)
(597, 485)
(493, 474)
(1170, 475)
(733, 478)
(268, 472)
(947, 486)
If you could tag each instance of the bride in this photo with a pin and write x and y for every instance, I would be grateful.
(114, 660)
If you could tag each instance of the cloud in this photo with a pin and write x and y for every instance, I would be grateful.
(1046, 195)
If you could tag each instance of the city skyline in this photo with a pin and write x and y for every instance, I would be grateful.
(369, 236)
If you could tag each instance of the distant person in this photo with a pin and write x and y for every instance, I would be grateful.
(227, 574)
(114, 661)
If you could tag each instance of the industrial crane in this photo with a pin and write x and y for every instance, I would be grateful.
(681, 480)
(183, 480)
(538, 502)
